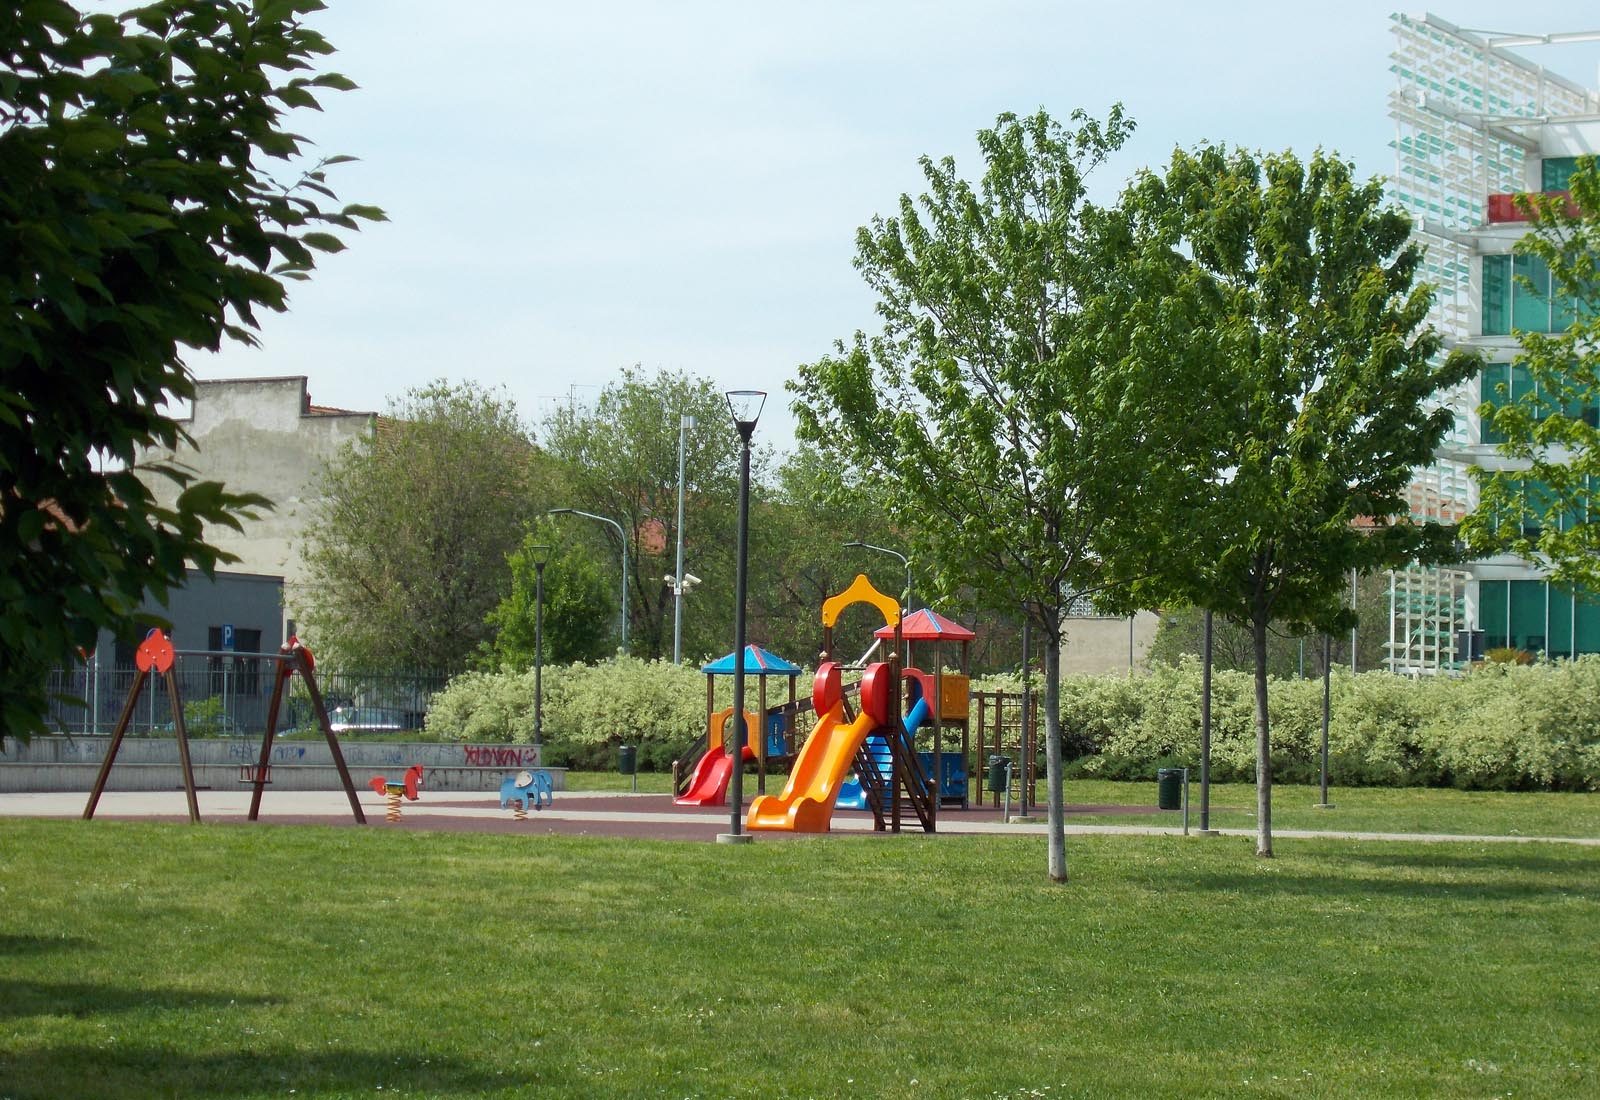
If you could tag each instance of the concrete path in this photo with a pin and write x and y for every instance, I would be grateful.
(631, 814)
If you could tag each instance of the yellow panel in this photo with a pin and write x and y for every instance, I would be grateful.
(860, 591)
(956, 702)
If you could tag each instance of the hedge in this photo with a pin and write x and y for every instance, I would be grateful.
(1501, 727)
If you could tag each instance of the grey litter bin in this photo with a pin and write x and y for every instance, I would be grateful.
(1169, 789)
(628, 759)
(999, 773)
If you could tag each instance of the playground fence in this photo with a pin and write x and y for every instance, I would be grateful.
(227, 693)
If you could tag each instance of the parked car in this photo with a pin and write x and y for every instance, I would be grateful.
(358, 719)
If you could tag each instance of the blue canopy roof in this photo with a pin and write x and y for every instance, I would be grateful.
(757, 662)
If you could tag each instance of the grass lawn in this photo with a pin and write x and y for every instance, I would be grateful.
(1356, 809)
(1233, 806)
(231, 961)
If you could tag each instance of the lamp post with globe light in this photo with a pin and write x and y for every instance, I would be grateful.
(745, 406)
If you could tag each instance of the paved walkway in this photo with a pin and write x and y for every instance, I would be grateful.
(604, 813)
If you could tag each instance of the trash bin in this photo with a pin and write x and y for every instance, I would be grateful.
(999, 774)
(1169, 789)
(628, 759)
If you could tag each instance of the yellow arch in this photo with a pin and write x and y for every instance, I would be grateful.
(860, 591)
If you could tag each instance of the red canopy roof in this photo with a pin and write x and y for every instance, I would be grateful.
(928, 626)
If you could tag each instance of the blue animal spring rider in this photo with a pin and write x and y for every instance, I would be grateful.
(526, 787)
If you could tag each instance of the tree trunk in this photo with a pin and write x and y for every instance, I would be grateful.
(1258, 630)
(1056, 822)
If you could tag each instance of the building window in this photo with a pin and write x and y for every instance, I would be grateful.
(1556, 173)
(1510, 304)
(234, 675)
(1497, 295)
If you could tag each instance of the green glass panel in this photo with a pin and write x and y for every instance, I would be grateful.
(1496, 295)
(1492, 613)
(1493, 376)
(1560, 640)
(1588, 614)
(1527, 615)
(1556, 172)
(1530, 306)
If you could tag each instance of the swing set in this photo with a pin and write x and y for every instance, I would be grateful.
(156, 656)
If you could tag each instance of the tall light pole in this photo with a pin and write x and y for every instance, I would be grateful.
(541, 555)
(745, 405)
(623, 535)
(905, 561)
(685, 422)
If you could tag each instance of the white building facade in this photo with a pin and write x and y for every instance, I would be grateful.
(1476, 123)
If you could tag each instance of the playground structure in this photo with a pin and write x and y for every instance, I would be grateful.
(156, 655)
(394, 789)
(836, 744)
(525, 787)
(1008, 722)
(765, 740)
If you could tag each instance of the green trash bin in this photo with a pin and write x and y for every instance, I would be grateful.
(999, 774)
(1169, 789)
(628, 759)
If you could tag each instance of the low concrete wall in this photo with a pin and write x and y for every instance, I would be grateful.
(151, 764)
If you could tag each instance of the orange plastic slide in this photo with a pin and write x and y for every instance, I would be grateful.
(806, 804)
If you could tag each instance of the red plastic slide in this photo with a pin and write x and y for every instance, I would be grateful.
(709, 784)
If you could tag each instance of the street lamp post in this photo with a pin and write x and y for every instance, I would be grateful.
(745, 405)
(685, 422)
(905, 561)
(623, 535)
(541, 555)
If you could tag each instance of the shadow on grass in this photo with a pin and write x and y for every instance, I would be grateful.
(116, 1072)
(18, 945)
(20, 997)
(1473, 879)
(1514, 860)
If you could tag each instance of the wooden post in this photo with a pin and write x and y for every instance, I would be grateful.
(134, 689)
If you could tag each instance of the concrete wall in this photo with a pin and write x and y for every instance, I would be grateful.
(151, 764)
(246, 601)
(263, 435)
(1099, 647)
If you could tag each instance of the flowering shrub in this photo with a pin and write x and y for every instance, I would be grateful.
(1501, 727)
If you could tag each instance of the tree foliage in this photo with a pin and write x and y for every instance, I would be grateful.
(410, 545)
(1541, 505)
(1317, 335)
(619, 459)
(1005, 408)
(138, 217)
(579, 605)
(1291, 653)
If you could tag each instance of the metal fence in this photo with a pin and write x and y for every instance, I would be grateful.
(228, 694)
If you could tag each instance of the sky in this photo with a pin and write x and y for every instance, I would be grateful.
(575, 189)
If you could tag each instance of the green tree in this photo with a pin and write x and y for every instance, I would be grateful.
(813, 507)
(619, 459)
(579, 605)
(1540, 506)
(1318, 336)
(411, 537)
(137, 218)
(1291, 653)
(1005, 408)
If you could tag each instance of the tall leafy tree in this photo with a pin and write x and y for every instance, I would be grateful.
(139, 216)
(579, 604)
(619, 459)
(1005, 407)
(409, 549)
(1328, 376)
(1543, 504)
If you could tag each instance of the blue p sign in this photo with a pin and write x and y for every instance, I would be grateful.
(227, 636)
